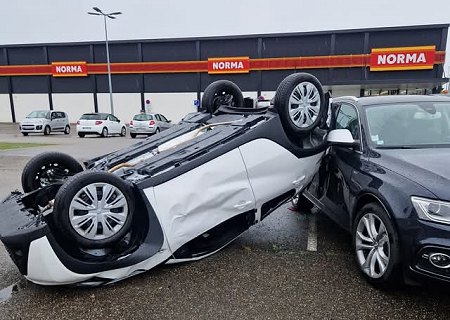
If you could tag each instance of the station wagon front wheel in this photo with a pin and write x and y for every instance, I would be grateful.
(376, 246)
(67, 130)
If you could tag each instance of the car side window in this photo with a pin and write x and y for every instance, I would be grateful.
(158, 117)
(347, 118)
(163, 118)
(54, 115)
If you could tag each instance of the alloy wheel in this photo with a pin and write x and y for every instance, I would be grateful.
(304, 104)
(372, 245)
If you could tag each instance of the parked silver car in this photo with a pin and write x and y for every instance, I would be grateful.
(44, 121)
(148, 123)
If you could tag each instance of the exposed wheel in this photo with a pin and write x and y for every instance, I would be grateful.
(81, 135)
(123, 132)
(104, 132)
(377, 246)
(47, 168)
(133, 135)
(299, 202)
(300, 103)
(25, 133)
(157, 131)
(222, 93)
(94, 209)
(67, 130)
(47, 130)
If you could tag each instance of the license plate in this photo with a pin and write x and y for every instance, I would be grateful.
(87, 128)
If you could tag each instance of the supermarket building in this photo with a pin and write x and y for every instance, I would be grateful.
(171, 74)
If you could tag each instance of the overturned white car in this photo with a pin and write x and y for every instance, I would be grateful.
(179, 196)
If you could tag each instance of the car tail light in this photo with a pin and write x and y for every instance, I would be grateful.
(131, 122)
(98, 122)
(151, 123)
(78, 122)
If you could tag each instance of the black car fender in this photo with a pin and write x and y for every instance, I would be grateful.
(387, 191)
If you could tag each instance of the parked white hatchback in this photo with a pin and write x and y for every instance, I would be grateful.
(102, 124)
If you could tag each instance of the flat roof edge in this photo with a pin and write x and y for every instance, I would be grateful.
(246, 36)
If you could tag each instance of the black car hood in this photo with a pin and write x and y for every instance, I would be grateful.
(427, 167)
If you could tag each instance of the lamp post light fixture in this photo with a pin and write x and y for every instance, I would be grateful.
(111, 16)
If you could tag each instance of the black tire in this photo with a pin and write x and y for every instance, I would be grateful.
(123, 132)
(222, 92)
(67, 130)
(37, 169)
(104, 132)
(25, 134)
(282, 104)
(157, 131)
(132, 135)
(47, 130)
(392, 274)
(68, 191)
(300, 203)
(81, 135)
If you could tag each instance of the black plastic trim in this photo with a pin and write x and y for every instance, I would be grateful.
(271, 129)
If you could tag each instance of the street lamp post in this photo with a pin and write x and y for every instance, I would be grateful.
(111, 16)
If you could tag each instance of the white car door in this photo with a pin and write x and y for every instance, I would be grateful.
(274, 170)
(54, 121)
(165, 122)
(113, 124)
(202, 198)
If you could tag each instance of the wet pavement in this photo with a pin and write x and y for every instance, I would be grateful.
(267, 273)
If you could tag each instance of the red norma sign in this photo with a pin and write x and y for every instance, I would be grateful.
(69, 69)
(228, 65)
(404, 58)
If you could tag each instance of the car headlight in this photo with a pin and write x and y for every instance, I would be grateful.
(39, 122)
(432, 210)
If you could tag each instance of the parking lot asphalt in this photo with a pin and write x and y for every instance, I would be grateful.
(267, 273)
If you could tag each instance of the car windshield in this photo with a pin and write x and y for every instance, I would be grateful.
(143, 117)
(37, 114)
(93, 116)
(409, 125)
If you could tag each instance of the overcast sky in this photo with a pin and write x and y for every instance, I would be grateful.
(35, 21)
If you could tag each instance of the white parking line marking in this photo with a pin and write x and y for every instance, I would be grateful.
(312, 233)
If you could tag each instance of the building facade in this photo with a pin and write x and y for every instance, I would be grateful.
(171, 74)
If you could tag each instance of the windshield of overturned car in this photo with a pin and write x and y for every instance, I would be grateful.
(409, 125)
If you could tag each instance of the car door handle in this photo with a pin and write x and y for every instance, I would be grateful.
(243, 204)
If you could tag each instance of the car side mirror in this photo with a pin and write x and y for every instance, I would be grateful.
(169, 121)
(342, 138)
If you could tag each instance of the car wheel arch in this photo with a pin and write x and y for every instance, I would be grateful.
(366, 198)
